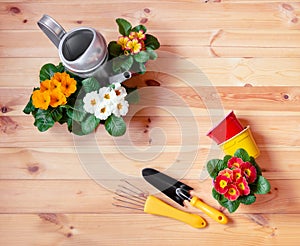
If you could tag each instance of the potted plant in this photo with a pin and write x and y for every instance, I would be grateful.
(237, 179)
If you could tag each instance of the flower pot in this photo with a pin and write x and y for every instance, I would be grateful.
(226, 129)
(243, 140)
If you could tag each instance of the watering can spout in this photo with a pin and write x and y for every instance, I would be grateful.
(119, 78)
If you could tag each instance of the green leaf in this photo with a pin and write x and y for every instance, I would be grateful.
(213, 167)
(152, 54)
(151, 42)
(141, 57)
(29, 107)
(262, 185)
(257, 167)
(56, 114)
(216, 195)
(90, 84)
(138, 68)
(78, 113)
(241, 153)
(139, 28)
(247, 200)
(226, 159)
(122, 63)
(232, 206)
(124, 26)
(132, 96)
(47, 71)
(115, 126)
(89, 124)
(60, 68)
(43, 120)
(74, 127)
(114, 49)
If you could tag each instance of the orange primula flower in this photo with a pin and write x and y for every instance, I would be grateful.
(57, 98)
(55, 84)
(68, 84)
(45, 85)
(41, 99)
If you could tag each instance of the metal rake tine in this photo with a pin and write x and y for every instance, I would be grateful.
(140, 201)
(137, 188)
(122, 206)
(128, 202)
(132, 194)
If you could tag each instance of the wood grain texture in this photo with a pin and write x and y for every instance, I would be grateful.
(99, 229)
(244, 55)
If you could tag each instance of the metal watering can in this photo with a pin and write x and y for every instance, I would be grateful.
(83, 51)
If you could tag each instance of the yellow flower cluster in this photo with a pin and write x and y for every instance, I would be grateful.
(134, 43)
(54, 92)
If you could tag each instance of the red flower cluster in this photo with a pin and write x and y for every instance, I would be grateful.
(234, 181)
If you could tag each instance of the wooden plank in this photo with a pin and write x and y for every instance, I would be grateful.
(52, 163)
(220, 71)
(155, 1)
(177, 15)
(18, 43)
(143, 229)
(267, 131)
(196, 98)
(87, 196)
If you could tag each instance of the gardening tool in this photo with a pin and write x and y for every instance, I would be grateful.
(82, 51)
(179, 192)
(131, 197)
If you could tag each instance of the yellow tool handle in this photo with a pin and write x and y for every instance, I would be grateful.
(210, 211)
(156, 206)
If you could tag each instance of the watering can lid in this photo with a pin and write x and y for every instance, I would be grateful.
(52, 29)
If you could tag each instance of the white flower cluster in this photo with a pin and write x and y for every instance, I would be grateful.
(109, 100)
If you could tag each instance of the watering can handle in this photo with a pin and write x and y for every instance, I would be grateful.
(52, 29)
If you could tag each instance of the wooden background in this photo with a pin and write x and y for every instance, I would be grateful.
(250, 52)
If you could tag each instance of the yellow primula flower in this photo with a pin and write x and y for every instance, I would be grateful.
(123, 42)
(134, 46)
(41, 99)
(57, 98)
(140, 35)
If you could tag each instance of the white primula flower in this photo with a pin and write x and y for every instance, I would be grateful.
(120, 91)
(107, 95)
(103, 110)
(120, 108)
(90, 102)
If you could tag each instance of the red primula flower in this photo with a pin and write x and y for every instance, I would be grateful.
(250, 172)
(234, 162)
(232, 193)
(243, 186)
(221, 184)
(227, 172)
(236, 174)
